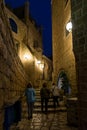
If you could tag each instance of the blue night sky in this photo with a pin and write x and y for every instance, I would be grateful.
(40, 10)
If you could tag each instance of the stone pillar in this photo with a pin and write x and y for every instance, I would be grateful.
(79, 20)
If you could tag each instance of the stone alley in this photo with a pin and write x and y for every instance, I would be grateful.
(52, 121)
(22, 61)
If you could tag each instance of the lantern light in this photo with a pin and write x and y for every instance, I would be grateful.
(69, 26)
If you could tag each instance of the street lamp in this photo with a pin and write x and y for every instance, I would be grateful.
(27, 57)
(38, 62)
(69, 26)
(42, 66)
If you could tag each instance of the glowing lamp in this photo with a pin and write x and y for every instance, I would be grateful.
(42, 66)
(26, 57)
(38, 62)
(69, 26)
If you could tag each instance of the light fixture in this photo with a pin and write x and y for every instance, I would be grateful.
(38, 62)
(42, 66)
(69, 26)
(27, 56)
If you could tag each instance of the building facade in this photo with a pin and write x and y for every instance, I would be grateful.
(76, 11)
(79, 20)
(21, 61)
(63, 56)
(28, 43)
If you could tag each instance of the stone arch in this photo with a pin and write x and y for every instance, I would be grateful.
(63, 82)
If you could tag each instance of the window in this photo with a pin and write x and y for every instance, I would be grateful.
(13, 25)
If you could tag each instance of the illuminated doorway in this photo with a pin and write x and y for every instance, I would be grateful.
(63, 83)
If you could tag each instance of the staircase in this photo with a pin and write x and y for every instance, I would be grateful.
(37, 109)
(37, 105)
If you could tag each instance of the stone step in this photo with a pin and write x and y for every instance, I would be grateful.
(50, 109)
(37, 104)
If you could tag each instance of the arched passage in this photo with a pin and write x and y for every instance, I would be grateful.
(63, 83)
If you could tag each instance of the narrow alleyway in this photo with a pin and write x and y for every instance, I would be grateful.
(54, 120)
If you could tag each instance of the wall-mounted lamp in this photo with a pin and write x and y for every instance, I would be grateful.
(27, 57)
(69, 26)
(38, 62)
(42, 66)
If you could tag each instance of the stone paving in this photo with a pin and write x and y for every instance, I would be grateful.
(52, 121)
(55, 120)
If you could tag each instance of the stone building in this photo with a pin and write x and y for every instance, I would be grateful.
(47, 73)
(21, 61)
(13, 78)
(63, 56)
(28, 42)
(70, 49)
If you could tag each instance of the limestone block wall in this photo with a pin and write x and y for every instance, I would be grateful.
(47, 68)
(13, 78)
(79, 19)
(63, 56)
(35, 34)
(21, 27)
(26, 35)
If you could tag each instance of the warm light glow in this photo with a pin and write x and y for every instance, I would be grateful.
(27, 56)
(69, 26)
(42, 66)
(38, 62)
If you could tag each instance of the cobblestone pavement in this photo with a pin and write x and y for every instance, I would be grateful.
(52, 121)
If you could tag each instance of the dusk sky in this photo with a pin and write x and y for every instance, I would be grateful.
(40, 10)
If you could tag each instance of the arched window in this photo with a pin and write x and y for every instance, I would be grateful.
(13, 25)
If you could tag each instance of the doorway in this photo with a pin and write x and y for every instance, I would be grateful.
(63, 83)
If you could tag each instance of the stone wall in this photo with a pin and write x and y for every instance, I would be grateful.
(13, 78)
(79, 19)
(26, 36)
(47, 68)
(15, 69)
(63, 56)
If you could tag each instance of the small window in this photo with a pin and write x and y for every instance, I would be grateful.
(13, 25)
